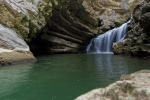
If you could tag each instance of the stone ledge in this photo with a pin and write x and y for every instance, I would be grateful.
(16, 57)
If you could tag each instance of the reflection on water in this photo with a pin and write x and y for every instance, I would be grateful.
(11, 78)
(64, 77)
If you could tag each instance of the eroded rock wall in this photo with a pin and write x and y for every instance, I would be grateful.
(57, 26)
(75, 22)
(137, 42)
(69, 28)
(20, 21)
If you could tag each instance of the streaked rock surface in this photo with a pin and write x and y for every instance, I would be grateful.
(13, 49)
(20, 22)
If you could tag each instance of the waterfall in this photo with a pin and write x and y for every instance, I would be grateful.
(103, 43)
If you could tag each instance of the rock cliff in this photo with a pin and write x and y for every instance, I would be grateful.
(137, 42)
(20, 21)
(56, 26)
(75, 22)
(130, 87)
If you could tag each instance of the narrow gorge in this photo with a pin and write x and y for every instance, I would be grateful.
(60, 49)
(52, 27)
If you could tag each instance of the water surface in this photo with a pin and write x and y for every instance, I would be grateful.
(64, 77)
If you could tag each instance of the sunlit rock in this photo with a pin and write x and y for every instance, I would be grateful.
(20, 21)
(26, 17)
(13, 49)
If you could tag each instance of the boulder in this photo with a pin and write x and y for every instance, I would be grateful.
(130, 87)
(13, 49)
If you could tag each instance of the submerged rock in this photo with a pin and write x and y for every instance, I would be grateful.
(137, 42)
(130, 87)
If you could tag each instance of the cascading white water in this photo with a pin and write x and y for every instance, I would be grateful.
(103, 43)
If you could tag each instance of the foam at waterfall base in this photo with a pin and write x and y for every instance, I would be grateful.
(101, 53)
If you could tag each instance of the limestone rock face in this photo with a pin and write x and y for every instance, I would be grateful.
(130, 87)
(26, 17)
(20, 21)
(13, 49)
(137, 42)
(74, 22)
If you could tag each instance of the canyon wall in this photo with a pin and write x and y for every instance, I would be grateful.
(75, 22)
(56, 26)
